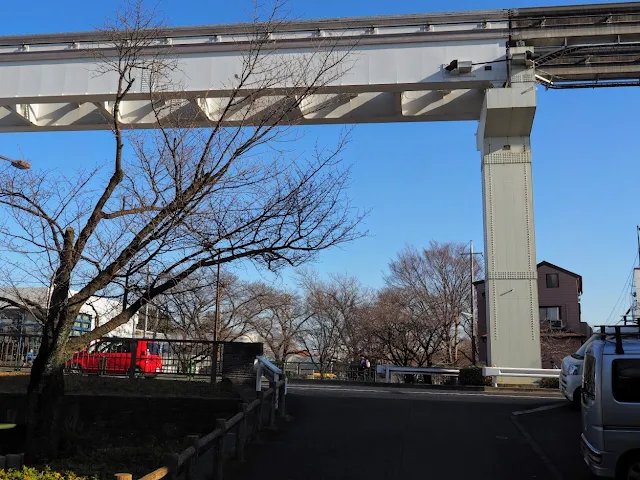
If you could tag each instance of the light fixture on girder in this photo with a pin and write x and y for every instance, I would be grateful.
(459, 67)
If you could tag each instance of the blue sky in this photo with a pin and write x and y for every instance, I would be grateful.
(422, 181)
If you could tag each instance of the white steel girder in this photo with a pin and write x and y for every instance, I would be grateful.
(395, 74)
(411, 106)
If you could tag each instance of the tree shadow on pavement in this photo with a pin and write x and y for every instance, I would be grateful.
(557, 433)
(393, 437)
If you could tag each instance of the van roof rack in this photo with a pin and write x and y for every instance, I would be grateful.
(629, 331)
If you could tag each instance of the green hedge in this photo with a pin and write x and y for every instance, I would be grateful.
(471, 376)
(28, 473)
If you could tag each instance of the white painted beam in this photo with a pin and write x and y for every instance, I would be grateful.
(210, 72)
(317, 109)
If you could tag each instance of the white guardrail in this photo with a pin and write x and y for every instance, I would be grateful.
(496, 372)
(265, 368)
(387, 370)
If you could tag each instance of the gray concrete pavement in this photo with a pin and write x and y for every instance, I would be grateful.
(557, 433)
(380, 433)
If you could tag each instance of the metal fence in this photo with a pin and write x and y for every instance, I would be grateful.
(149, 357)
(377, 373)
(332, 371)
(124, 356)
(18, 351)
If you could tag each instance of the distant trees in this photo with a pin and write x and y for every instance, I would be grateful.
(279, 320)
(336, 329)
(419, 318)
(436, 283)
(190, 308)
(403, 330)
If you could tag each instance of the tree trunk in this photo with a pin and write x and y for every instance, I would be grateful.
(44, 401)
(455, 340)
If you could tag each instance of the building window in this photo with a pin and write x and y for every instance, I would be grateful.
(81, 326)
(626, 380)
(551, 317)
(552, 280)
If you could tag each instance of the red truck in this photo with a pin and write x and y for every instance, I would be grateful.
(114, 358)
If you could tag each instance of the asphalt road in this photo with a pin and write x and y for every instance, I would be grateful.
(377, 433)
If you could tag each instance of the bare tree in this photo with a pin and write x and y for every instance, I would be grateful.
(281, 319)
(347, 301)
(555, 344)
(190, 308)
(177, 199)
(437, 280)
(404, 330)
(333, 331)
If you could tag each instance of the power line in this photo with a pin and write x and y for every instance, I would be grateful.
(624, 288)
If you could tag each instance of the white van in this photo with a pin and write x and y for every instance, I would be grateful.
(571, 373)
(610, 438)
(571, 368)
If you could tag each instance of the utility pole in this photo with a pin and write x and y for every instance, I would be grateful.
(636, 281)
(472, 297)
(638, 235)
(146, 305)
(217, 319)
(216, 322)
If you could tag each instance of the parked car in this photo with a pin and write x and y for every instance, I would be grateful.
(571, 368)
(610, 438)
(114, 358)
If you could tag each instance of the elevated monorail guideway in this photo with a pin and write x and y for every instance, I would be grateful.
(476, 65)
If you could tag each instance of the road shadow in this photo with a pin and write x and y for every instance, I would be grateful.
(557, 433)
(336, 436)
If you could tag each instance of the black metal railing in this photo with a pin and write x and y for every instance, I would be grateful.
(142, 357)
(18, 351)
(148, 357)
(331, 371)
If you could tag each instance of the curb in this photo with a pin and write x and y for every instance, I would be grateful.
(524, 391)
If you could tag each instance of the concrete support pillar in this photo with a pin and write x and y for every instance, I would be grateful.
(513, 327)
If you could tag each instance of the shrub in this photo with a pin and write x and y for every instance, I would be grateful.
(28, 473)
(471, 376)
(549, 383)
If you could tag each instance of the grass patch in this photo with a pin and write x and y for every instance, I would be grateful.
(100, 453)
(46, 473)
